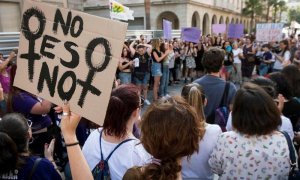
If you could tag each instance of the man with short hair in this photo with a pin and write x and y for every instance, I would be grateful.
(212, 84)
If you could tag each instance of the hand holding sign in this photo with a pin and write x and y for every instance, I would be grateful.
(66, 58)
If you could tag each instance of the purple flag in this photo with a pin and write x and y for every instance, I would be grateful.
(235, 30)
(190, 34)
(167, 26)
(219, 28)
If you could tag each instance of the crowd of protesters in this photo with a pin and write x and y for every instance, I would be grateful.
(238, 109)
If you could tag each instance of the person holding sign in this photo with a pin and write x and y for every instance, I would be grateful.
(34, 109)
(283, 58)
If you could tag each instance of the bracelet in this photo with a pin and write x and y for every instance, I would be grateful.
(72, 144)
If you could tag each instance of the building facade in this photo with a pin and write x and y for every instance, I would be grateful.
(182, 13)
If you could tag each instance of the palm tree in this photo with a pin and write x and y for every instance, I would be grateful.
(282, 7)
(252, 8)
(269, 4)
(147, 13)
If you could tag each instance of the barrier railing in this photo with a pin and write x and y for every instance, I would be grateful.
(10, 40)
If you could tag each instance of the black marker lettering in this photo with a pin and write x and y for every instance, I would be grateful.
(80, 28)
(31, 36)
(75, 56)
(87, 84)
(59, 19)
(60, 87)
(46, 44)
(45, 76)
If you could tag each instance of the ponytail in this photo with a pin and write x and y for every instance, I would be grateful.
(196, 100)
(9, 158)
(168, 169)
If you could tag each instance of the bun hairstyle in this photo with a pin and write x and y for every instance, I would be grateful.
(13, 141)
(170, 130)
(124, 100)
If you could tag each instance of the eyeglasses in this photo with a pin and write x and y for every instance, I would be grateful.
(29, 122)
(142, 102)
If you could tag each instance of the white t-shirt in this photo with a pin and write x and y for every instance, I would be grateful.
(278, 64)
(197, 166)
(236, 53)
(129, 154)
(286, 125)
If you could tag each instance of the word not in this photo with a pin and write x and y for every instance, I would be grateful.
(49, 42)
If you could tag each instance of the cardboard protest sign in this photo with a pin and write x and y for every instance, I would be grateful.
(269, 32)
(219, 28)
(235, 30)
(69, 55)
(190, 34)
(167, 26)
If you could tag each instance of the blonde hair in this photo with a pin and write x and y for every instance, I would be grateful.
(194, 95)
(156, 44)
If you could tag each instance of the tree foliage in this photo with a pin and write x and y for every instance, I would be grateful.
(294, 15)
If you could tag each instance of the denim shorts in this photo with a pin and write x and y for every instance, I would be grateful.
(125, 77)
(156, 69)
(137, 81)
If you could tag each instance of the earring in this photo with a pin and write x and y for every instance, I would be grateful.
(31, 140)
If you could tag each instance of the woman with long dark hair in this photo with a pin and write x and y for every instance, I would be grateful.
(283, 58)
(248, 63)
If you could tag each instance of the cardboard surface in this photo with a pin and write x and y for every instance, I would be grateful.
(235, 30)
(66, 54)
(190, 34)
(167, 26)
(269, 32)
(218, 28)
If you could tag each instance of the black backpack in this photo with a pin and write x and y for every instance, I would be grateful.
(101, 171)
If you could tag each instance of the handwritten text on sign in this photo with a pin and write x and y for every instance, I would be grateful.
(69, 55)
(269, 32)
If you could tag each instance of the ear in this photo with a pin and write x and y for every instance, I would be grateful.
(29, 134)
(136, 114)
(205, 102)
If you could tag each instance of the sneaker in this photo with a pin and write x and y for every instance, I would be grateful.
(147, 102)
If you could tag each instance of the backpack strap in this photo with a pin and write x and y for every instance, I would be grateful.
(35, 165)
(125, 141)
(225, 95)
(293, 160)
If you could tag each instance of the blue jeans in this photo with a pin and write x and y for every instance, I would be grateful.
(263, 69)
(164, 81)
(125, 77)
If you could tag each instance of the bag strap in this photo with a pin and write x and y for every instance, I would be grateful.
(293, 160)
(125, 141)
(36, 163)
(225, 95)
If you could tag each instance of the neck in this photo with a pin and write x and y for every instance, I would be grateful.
(179, 177)
(217, 74)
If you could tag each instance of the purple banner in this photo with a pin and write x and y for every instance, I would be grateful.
(235, 30)
(167, 26)
(218, 28)
(190, 34)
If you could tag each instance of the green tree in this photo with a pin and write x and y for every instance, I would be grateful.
(252, 8)
(269, 4)
(282, 7)
(294, 15)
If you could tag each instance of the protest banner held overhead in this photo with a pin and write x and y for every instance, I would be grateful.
(235, 30)
(167, 27)
(269, 32)
(219, 28)
(190, 34)
(62, 56)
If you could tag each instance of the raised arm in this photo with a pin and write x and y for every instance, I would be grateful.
(79, 167)
(132, 50)
(163, 55)
(4, 64)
